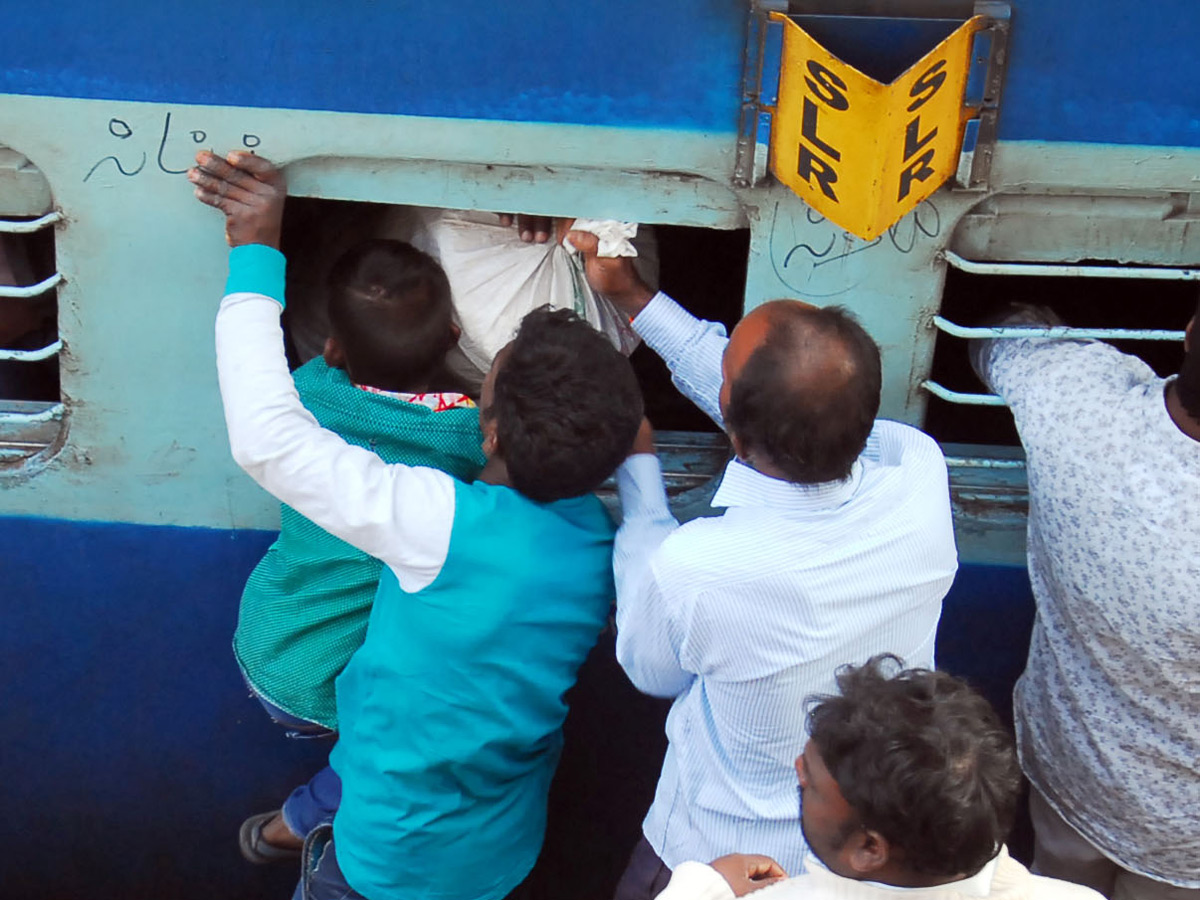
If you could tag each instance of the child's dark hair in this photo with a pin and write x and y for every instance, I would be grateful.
(389, 308)
(567, 407)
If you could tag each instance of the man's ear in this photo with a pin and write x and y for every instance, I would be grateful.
(335, 356)
(869, 852)
(455, 333)
(1187, 335)
(491, 439)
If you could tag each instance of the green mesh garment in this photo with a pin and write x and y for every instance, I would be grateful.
(305, 607)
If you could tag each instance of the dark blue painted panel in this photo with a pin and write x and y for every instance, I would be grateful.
(984, 633)
(674, 63)
(880, 48)
(1114, 71)
(1117, 70)
(131, 750)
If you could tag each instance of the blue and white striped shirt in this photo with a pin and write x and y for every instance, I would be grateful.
(742, 618)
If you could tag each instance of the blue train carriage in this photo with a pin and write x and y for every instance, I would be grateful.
(131, 749)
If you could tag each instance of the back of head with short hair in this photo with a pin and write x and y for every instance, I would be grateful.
(389, 308)
(1187, 385)
(812, 429)
(566, 405)
(923, 760)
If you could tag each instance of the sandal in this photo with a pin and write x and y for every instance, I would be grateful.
(255, 848)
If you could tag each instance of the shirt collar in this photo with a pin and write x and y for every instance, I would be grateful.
(438, 401)
(977, 885)
(746, 486)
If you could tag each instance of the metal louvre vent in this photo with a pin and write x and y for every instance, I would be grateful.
(31, 409)
(1025, 331)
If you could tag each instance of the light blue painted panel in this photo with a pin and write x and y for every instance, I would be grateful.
(144, 263)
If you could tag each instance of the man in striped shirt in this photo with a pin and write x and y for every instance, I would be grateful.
(836, 544)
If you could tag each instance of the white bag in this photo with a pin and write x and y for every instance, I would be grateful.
(496, 278)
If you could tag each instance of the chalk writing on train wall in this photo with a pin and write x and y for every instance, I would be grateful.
(802, 247)
(171, 146)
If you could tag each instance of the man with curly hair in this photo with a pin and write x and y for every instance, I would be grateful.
(908, 784)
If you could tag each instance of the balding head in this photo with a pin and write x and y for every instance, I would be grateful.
(801, 390)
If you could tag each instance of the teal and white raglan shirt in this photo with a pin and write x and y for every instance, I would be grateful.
(450, 713)
(305, 606)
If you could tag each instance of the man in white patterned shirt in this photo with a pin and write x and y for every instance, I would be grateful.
(1108, 710)
(909, 785)
(836, 545)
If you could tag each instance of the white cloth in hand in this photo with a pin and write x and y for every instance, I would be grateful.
(615, 237)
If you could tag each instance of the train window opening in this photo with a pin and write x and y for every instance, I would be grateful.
(1125, 303)
(703, 268)
(31, 409)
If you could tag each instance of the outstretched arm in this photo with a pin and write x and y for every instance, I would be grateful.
(1015, 314)
(400, 514)
(692, 348)
(648, 638)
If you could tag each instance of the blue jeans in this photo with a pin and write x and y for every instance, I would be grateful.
(645, 877)
(314, 802)
(320, 875)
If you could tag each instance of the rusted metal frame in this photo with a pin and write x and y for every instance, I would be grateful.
(989, 113)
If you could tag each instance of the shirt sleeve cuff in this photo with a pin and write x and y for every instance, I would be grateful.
(663, 323)
(640, 486)
(696, 881)
(256, 269)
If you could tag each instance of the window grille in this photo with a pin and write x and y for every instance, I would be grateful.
(31, 409)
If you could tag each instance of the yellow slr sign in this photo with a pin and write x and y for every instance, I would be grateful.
(864, 153)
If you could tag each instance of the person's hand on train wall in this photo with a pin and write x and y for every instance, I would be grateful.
(248, 189)
(614, 277)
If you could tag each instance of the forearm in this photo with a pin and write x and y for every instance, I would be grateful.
(692, 349)
(398, 514)
(647, 645)
(646, 519)
(262, 408)
(983, 351)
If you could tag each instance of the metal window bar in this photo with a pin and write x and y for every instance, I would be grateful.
(1068, 271)
(1010, 332)
(32, 355)
(55, 411)
(983, 462)
(944, 393)
(1055, 331)
(31, 290)
(10, 227)
(32, 418)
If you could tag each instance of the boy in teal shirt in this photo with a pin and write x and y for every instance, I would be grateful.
(380, 384)
(492, 593)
